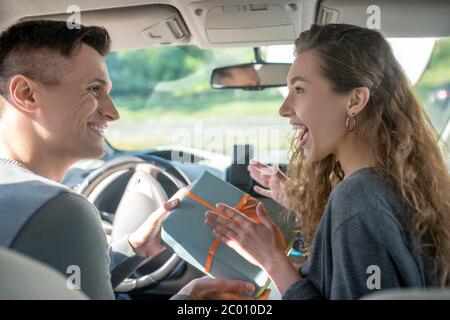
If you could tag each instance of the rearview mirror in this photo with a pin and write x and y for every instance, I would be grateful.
(250, 76)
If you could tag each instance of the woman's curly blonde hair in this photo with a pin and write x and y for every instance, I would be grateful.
(404, 142)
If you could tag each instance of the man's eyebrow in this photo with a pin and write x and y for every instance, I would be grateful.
(298, 78)
(102, 82)
(99, 80)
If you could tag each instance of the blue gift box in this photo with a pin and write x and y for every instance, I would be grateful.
(184, 230)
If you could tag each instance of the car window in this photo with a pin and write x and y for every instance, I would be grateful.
(433, 91)
(165, 99)
(433, 88)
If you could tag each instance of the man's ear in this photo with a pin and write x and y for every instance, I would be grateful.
(358, 100)
(22, 93)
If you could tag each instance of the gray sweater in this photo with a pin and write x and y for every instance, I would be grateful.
(50, 223)
(363, 243)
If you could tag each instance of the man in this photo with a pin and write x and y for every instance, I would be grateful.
(54, 108)
(240, 76)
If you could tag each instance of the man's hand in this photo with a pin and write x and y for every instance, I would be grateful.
(216, 289)
(272, 180)
(146, 240)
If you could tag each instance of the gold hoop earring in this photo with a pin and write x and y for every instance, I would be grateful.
(347, 123)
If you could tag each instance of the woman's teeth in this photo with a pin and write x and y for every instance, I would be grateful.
(98, 129)
(304, 137)
(304, 134)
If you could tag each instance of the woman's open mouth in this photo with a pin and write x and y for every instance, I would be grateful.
(304, 133)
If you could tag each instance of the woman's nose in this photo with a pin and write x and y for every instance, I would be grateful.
(285, 110)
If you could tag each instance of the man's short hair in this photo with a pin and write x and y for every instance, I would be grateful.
(39, 49)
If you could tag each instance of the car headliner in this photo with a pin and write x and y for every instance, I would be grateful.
(124, 18)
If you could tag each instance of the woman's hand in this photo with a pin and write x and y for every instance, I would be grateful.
(146, 240)
(273, 181)
(258, 243)
(216, 289)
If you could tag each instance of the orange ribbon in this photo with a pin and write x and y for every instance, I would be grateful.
(247, 205)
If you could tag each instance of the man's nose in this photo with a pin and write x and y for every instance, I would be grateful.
(109, 110)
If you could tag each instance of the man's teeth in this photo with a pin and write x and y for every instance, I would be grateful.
(100, 130)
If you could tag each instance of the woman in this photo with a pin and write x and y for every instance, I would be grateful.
(366, 180)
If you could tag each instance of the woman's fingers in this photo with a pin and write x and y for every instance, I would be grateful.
(264, 192)
(280, 175)
(262, 213)
(260, 172)
(261, 179)
(232, 242)
(222, 225)
(229, 227)
(232, 213)
(271, 178)
(264, 170)
(257, 164)
(222, 231)
(234, 220)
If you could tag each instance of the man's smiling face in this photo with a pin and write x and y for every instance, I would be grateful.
(74, 113)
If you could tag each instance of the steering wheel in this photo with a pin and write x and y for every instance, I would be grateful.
(142, 195)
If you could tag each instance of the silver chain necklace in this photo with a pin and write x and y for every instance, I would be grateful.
(14, 162)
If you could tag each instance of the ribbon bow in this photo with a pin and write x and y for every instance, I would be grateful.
(247, 205)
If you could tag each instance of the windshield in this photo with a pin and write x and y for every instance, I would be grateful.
(165, 100)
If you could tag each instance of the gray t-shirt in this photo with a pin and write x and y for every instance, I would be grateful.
(363, 243)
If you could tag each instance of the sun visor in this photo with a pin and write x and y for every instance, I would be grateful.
(400, 18)
(151, 25)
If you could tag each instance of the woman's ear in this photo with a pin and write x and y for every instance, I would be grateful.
(22, 92)
(358, 100)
